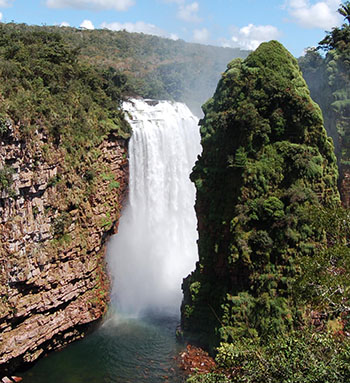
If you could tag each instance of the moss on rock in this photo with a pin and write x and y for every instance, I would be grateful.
(266, 159)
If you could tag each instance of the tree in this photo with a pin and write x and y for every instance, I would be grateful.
(338, 38)
(344, 10)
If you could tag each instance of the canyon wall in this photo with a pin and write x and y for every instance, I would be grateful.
(53, 233)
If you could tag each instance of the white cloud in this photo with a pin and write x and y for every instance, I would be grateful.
(1, 16)
(6, 3)
(87, 24)
(64, 24)
(251, 36)
(173, 36)
(201, 35)
(118, 5)
(139, 27)
(321, 14)
(189, 12)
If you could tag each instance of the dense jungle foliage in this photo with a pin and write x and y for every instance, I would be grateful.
(152, 67)
(273, 239)
(326, 70)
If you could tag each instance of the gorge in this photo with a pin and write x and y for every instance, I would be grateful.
(269, 294)
(155, 246)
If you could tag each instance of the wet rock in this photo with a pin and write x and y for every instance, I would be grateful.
(12, 379)
(194, 359)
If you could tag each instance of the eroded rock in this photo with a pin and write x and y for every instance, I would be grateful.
(53, 283)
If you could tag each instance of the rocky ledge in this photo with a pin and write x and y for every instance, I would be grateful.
(54, 223)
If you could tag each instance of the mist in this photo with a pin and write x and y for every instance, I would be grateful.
(155, 247)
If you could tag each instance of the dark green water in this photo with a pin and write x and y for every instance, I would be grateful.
(120, 351)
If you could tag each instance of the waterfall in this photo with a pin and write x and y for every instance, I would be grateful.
(155, 247)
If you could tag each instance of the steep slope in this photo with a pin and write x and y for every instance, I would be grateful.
(266, 161)
(63, 176)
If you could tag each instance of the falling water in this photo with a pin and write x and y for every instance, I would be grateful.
(156, 243)
(154, 249)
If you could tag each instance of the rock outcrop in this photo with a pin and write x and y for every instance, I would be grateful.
(266, 163)
(54, 223)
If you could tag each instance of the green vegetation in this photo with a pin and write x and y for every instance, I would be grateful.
(53, 181)
(324, 281)
(6, 174)
(271, 294)
(5, 126)
(344, 10)
(146, 65)
(328, 79)
(60, 110)
(45, 85)
(313, 352)
(302, 357)
(266, 182)
(266, 159)
(106, 222)
(114, 185)
(208, 378)
(60, 224)
(59, 104)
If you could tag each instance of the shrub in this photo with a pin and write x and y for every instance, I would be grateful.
(301, 357)
(208, 378)
(60, 223)
(6, 178)
(114, 185)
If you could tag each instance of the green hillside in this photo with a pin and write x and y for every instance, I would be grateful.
(153, 67)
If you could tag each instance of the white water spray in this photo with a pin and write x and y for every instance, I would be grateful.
(156, 244)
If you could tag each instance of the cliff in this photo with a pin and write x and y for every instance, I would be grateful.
(63, 178)
(266, 163)
(53, 277)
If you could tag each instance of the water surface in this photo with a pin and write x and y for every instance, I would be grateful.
(121, 351)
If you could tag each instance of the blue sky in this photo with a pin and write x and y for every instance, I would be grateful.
(236, 23)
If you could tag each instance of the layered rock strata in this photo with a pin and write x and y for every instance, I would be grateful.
(53, 281)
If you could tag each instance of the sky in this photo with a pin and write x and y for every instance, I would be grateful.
(298, 24)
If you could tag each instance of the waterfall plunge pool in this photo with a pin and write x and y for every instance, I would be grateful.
(121, 351)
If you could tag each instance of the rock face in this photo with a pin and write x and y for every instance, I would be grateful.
(53, 281)
(266, 162)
